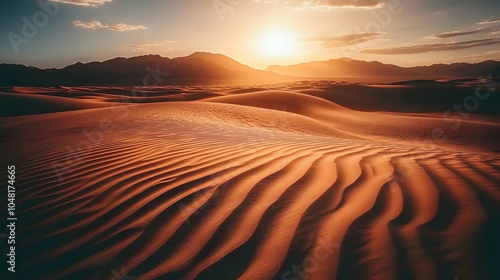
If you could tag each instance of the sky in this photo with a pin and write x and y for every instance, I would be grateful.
(258, 33)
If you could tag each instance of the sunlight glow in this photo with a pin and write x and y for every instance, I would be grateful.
(277, 43)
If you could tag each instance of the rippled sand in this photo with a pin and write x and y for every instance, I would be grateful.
(248, 183)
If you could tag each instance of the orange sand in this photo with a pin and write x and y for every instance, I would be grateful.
(270, 182)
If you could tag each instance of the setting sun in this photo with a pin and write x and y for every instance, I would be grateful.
(276, 43)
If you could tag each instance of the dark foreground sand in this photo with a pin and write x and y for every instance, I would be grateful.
(287, 181)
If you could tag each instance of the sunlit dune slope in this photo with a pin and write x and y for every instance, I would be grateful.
(420, 128)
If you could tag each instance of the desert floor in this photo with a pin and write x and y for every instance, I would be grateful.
(305, 180)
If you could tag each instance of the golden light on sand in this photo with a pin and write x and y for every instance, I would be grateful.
(277, 43)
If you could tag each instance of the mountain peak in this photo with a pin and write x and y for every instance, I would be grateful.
(204, 54)
(149, 56)
(345, 59)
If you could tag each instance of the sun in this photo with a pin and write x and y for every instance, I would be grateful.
(277, 43)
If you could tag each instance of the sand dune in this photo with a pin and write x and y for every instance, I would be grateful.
(23, 104)
(476, 131)
(274, 182)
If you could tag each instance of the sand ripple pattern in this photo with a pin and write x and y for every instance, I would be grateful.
(244, 206)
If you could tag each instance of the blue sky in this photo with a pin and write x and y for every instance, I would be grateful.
(255, 32)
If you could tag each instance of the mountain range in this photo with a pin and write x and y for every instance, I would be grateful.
(209, 68)
(197, 68)
(350, 68)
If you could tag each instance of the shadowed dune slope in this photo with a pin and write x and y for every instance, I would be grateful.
(412, 96)
(17, 104)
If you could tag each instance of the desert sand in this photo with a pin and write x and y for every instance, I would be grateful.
(305, 180)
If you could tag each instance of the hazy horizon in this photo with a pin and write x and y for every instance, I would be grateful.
(264, 68)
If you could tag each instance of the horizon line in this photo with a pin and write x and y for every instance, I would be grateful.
(212, 53)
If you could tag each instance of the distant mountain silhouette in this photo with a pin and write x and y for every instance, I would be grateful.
(197, 68)
(350, 68)
(209, 68)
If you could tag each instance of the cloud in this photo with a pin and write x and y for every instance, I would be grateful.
(93, 3)
(424, 48)
(493, 20)
(451, 34)
(325, 4)
(94, 24)
(344, 40)
(454, 34)
(152, 47)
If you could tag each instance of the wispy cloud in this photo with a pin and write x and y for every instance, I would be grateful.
(345, 39)
(492, 20)
(94, 24)
(152, 47)
(457, 33)
(424, 48)
(93, 3)
(325, 4)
